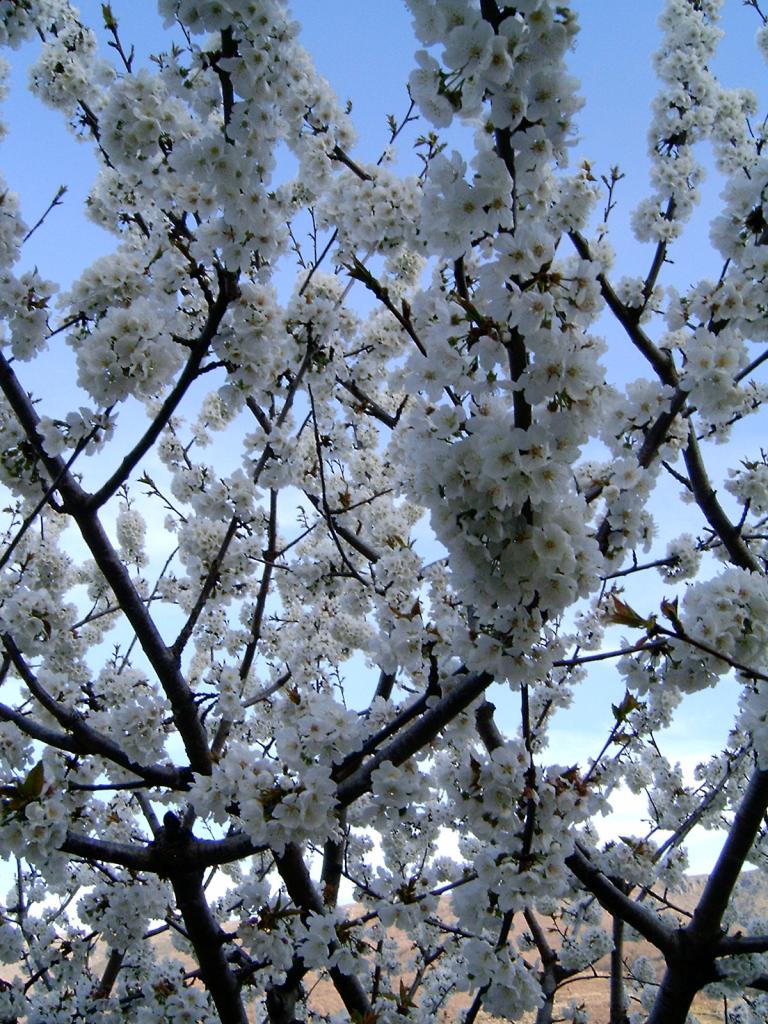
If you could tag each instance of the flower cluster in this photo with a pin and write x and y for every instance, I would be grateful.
(276, 659)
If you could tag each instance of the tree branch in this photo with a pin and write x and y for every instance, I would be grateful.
(660, 361)
(691, 961)
(417, 736)
(205, 934)
(706, 499)
(736, 945)
(305, 896)
(717, 892)
(209, 584)
(227, 293)
(128, 855)
(116, 575)
(617, 903)
(109, 976)
(85, 739)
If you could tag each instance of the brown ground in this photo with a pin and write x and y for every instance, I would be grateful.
(589, 988)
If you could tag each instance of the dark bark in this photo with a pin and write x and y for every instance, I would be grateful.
(739, 945)
(690, 952)
(169, 675)
(550, 970)
(617, 903)
(487, 729)
(416, 736)
(305, 896)
(198, 854)
(200, 347)
(333, 864)
(661, 361)
(691, 963)
(207, 938)
(84, 738)
(688, 971)
(618, 997)
(129, 855)
(717, 893)
(713, 511)
(109, 977)
(282, 999)
(83, 508)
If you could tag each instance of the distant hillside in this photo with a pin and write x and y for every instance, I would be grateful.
(589, 988)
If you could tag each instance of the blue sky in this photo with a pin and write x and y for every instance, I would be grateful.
(364, 47)
(365, 50)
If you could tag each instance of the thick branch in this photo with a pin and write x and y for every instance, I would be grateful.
(691, 961)
(706, 499)
(618, 997)
(736, 945)
(198, 854)
(109, 977)
(38, 731)
(657, 432)
(116, 575)
(353, 760)
(416, 736)
(281, 999)
(24, 410)
(612, 899)
(208, 941)
(333, 865)
(304, 894)
(85, 739)
(487, 729)
(128, 855)
(747, 821)
(163, 661)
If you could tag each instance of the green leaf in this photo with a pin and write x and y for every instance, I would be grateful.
(625, 615)
(622, 711)
(669, 611)
(32, 786)
(15, 797)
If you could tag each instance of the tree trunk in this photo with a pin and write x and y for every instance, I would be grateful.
(675, 997)
(618, 994)
(207, 940)
(282, 999)
(693, 964)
